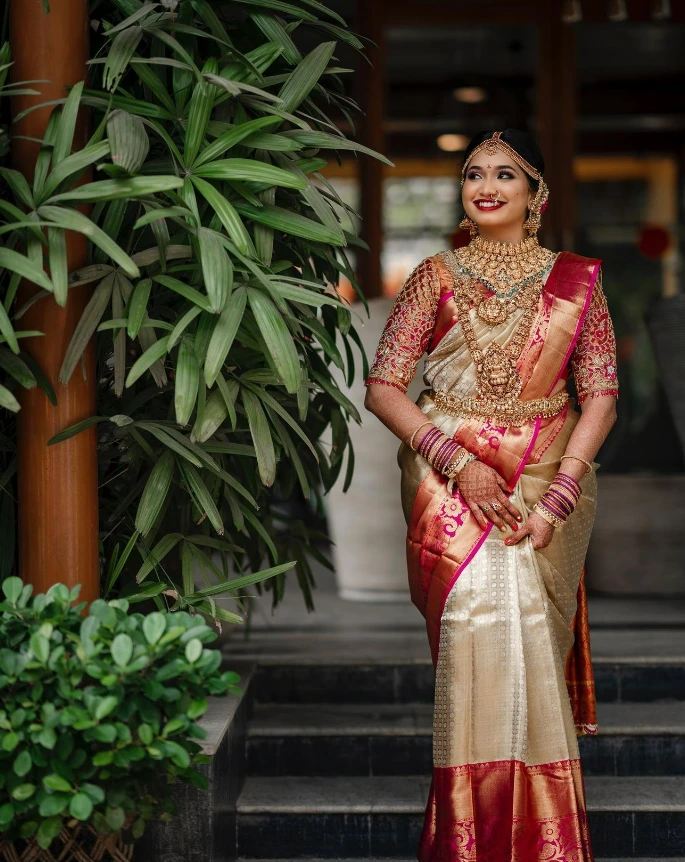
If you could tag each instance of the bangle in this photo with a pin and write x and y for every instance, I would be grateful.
(411, 439)
(577, 458)
(548, 516)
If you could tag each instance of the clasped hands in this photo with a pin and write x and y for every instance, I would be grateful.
(483, 491)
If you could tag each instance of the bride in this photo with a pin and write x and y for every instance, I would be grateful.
(498, 488)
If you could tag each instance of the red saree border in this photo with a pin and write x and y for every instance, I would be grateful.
(505, 810)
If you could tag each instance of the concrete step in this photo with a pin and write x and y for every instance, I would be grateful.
(634, 680)
(382, 816)
(396, 739)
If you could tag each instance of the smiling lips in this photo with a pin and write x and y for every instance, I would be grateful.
(487, 206)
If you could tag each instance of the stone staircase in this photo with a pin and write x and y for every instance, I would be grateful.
(339, 757)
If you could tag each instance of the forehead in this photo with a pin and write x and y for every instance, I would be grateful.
(498, 157)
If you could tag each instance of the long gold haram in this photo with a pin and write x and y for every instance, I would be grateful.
(499, 384)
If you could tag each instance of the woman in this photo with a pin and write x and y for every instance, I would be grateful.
(498, 489)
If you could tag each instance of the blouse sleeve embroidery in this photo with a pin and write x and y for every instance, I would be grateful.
(408, 329)
(593, 362)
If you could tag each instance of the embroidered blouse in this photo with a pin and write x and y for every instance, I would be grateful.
(410, 324)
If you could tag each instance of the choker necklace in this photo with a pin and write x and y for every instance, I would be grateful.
(504, 267)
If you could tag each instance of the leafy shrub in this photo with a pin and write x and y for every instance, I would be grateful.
(215, 356)
(99, 711)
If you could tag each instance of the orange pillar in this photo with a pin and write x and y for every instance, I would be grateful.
(57, 485)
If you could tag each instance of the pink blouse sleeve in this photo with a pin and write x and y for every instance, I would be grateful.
(408, 329)
(593, 362)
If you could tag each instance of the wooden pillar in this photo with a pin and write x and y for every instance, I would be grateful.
(371, 97)
(557, 122)
(57, 485)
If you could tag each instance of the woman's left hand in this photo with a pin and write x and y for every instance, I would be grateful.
(537, 528)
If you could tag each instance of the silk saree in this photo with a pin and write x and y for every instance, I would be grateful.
(507, 625)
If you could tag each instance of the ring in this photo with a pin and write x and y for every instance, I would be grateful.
(496, 506)
(485, 507)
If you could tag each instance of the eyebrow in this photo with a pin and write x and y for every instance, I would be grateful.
(499, 168)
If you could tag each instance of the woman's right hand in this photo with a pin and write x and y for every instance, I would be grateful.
(483, 489)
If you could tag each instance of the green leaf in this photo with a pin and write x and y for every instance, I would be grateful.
(228, 216)
(251, 170)
(15, 262)
(277, 337)
(217, 269)
(305, 76)
(53, 804)
(57, 245)
(40, 647)
(23, 792)
(154, 626)
(57, 783)
(111, 190)
(193, 651)
(186, 382)
(120, 53)
(137, 307)
(151, 355)
(154, 494)
(64, 137)
(122, 649)
(154, 558)
(244, 581)
(202, 497)
(17, 183)
(8, 401)
(182, 325)
(22, 764)
(73, 165)
(232, 137)
(290, 222)
(261, 437)
(128, 140)
(90, 318)
(199, 112)
(189, 293)
(311, 138)
(70, 219)
(81, 806)
(224, 333)
(212, 418)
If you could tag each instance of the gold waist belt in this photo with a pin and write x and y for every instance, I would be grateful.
(504, 412)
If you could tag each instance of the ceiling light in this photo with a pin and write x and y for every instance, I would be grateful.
(470, 95)
(452, 143)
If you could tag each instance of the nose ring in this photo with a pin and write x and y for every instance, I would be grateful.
(495, 196)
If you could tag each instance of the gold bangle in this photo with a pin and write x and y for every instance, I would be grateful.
(548, 516)
(578, 458)
(422, 425)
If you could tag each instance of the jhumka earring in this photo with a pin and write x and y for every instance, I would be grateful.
(468, 224)
(532, 223)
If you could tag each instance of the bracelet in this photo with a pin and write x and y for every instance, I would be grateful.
(465, 457)
(548, 516)
(577, 458)
(411, 439)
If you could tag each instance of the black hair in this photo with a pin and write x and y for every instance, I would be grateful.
(524, 144)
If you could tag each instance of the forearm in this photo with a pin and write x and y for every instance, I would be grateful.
(395, 410)
(597, 418)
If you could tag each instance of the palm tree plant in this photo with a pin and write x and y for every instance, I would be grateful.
(217, 328)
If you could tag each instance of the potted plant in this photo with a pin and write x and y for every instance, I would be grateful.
(215, 350)
(100, 710)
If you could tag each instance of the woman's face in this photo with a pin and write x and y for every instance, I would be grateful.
(484, 178)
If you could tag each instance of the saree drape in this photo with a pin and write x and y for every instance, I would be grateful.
(507, 625)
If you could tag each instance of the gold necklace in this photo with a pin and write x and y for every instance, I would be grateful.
(520, 269)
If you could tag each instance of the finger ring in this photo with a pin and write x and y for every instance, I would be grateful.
(496, 506)
(485, 507)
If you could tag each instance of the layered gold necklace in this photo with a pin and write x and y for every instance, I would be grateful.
(514, 275)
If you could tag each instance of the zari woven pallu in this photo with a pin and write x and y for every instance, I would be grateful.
(507, 625)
